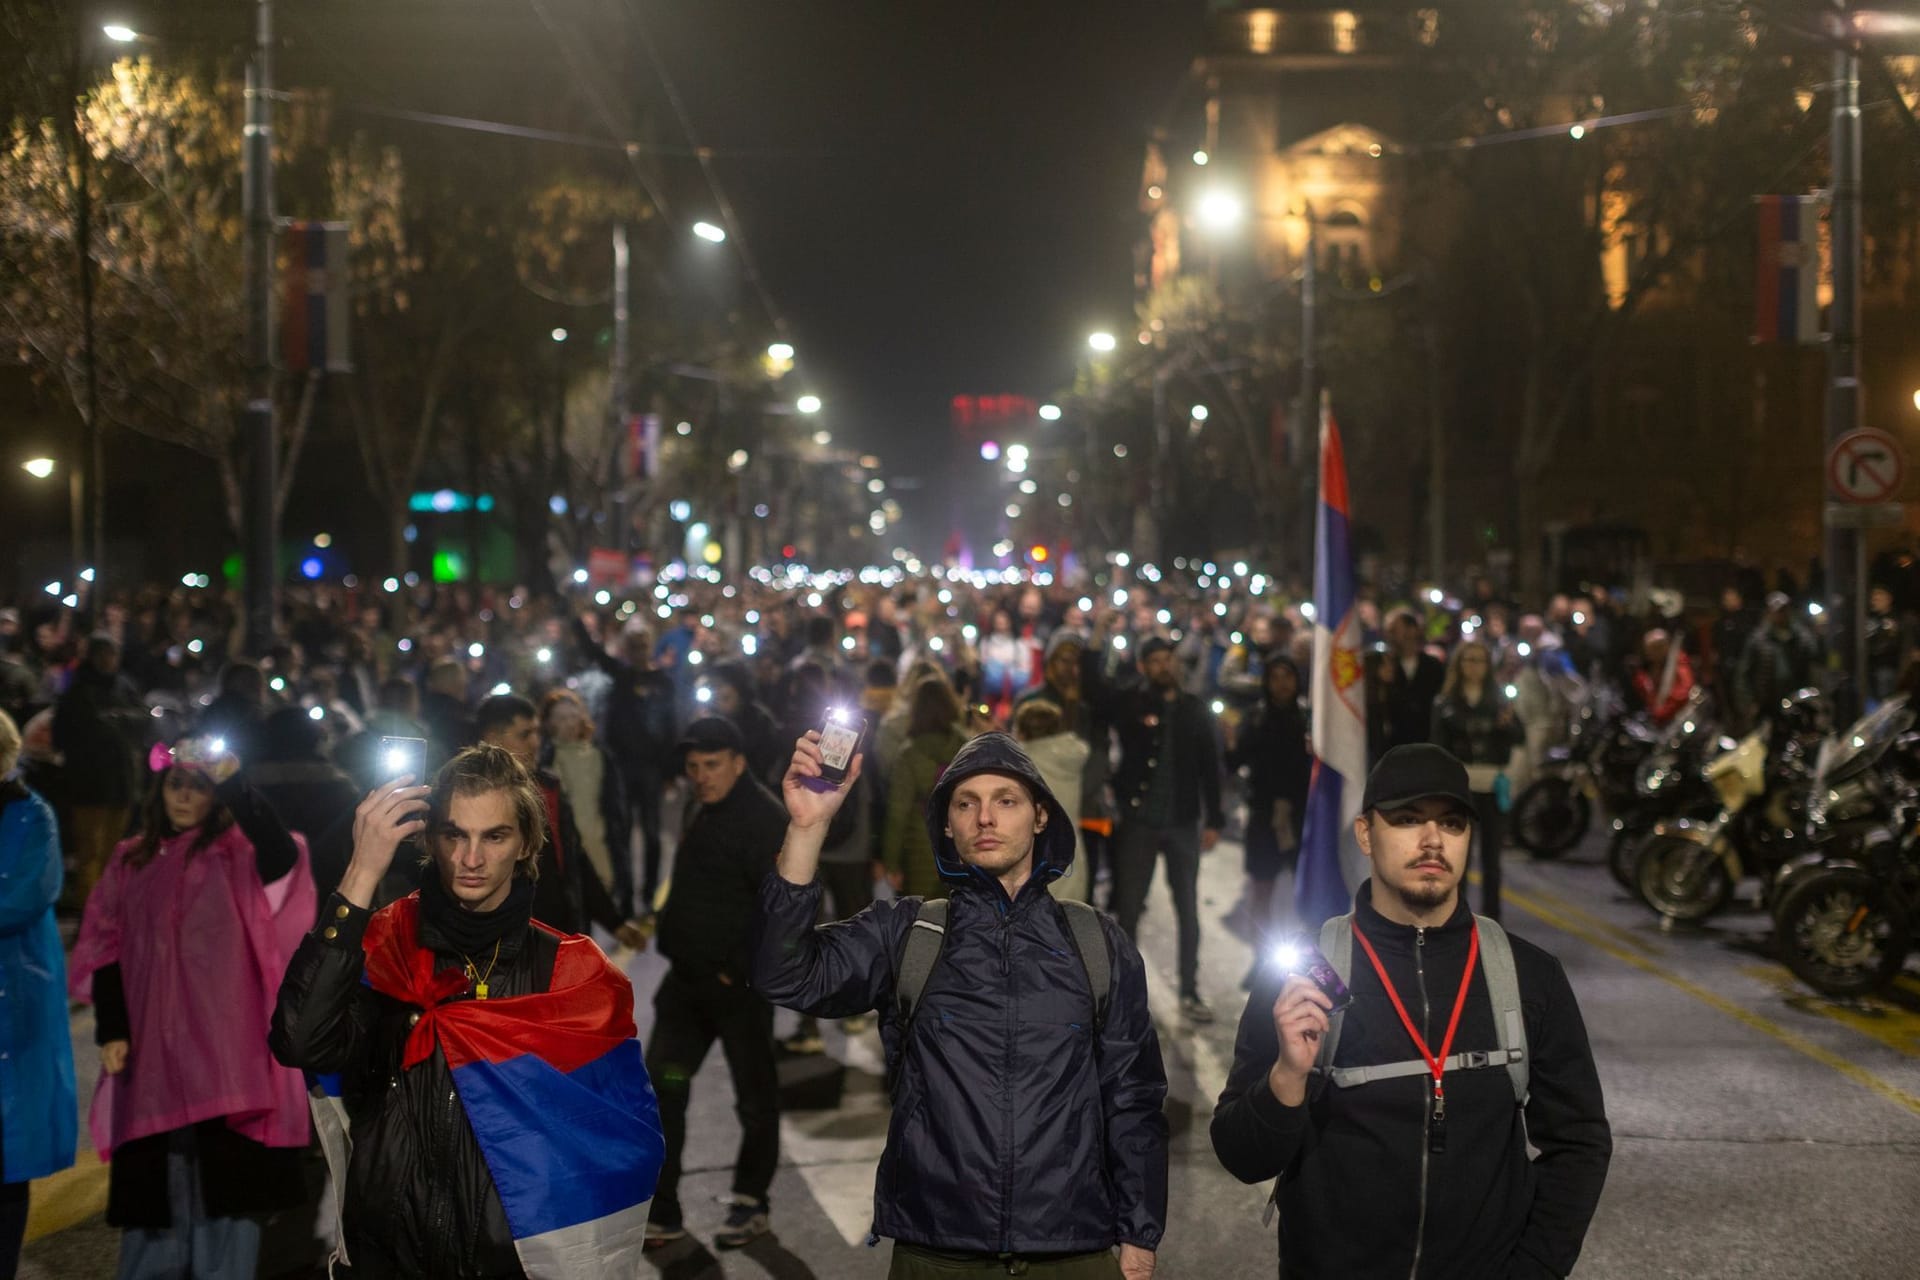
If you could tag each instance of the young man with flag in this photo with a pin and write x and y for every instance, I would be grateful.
(1415, 1103)
(502, 1123)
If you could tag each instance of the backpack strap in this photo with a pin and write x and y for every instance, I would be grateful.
(1503, 989)
(1336, 944)
(1083, 922)
(919, 955)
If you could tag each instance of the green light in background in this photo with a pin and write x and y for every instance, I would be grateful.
(449, 566)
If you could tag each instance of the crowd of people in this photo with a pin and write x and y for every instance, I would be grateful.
(167, 787)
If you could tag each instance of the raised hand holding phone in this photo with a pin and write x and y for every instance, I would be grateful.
(390, 815)
(812, 801)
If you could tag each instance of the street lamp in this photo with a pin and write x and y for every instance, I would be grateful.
(41, 468)
(1102, 341)
(119, 33)
(1221, 210)
(710, 233)
(807, 404)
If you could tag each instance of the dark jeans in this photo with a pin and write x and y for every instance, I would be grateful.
(13, 1226)
(1136, 846)
(1490, 828)
(910, 1262)
(644, 790)
(689, 1015)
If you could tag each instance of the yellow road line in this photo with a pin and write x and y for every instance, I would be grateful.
(1626, 937)
(1896, 1028)
(1766, 1026)
(67, 1198)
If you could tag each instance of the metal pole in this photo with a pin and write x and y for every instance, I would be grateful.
(1846, 588)
(258, 417)
(1306, 424)
(1161, 464)
(622, 391)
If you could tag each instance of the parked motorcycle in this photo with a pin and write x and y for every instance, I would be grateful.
(1597, 765)
(1670, 783)
(1845, 923)
(1688, 868)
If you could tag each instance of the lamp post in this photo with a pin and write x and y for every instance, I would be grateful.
(258, 416)
(41, 469)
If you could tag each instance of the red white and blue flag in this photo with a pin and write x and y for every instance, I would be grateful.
(554, 1086)
(1787, 270)
(1338, 691)
(314, 314)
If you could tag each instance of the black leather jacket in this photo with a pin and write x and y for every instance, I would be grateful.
(419, 1198)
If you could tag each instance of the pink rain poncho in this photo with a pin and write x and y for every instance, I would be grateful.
(202, 946)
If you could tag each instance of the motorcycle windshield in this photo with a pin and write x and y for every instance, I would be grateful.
(1860, 747)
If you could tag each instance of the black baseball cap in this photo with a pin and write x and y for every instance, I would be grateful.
(712, 733)
(1417, 771)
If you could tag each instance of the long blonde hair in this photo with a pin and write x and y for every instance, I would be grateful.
(1453, 681)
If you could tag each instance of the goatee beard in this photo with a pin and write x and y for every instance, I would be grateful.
(1424, 897)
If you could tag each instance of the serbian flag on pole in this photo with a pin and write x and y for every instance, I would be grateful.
(1786, 272)
(1327, 847)
(554, 1086)
(313, 314)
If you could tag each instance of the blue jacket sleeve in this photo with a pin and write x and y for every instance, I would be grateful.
(1133, 1095)
(32, 883)
(833, 970)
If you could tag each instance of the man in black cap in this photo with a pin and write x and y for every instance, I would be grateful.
(1415, 1103)
(1166, 790)
(732, 834)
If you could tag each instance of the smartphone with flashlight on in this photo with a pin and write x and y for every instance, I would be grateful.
(842, 733)
(1301, 959)
(403, 756)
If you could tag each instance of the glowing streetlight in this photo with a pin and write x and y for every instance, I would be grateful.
(1051, 412)
(119, 33)
(1221, 210)
(1102, 341)
(710, 233)
(41, 468)
(807, 404)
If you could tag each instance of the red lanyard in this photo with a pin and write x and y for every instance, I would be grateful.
(1437, 1063)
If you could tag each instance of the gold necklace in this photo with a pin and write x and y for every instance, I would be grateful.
(478, 979)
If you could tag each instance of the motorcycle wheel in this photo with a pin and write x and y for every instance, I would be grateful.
(1682, 880)
(1550, 817)
(1623, 857)
(1839, 935)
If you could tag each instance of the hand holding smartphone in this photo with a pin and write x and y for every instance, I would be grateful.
(843, 732)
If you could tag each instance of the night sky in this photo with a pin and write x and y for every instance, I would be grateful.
(949, 205)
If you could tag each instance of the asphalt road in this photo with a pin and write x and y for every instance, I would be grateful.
(1759, 1131)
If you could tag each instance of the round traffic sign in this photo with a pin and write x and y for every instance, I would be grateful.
(1865, 467)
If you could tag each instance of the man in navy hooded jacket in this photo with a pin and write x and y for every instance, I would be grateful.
(1020, 1133)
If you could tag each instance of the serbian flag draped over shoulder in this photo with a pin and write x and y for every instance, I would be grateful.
(1323, 887)
(555, 1088)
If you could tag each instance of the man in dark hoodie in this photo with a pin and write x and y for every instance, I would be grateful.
(1028, 1133)
(1404, 1123)
(727, 848)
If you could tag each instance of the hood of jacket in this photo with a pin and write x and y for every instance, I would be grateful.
(999, 753)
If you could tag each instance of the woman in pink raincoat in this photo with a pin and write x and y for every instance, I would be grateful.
(181, 950)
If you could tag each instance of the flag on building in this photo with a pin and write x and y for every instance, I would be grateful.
(314, 310)
(554, 1086)
(1787, 270)
(1338, 689)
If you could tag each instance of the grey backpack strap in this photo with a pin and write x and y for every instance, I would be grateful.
(919, 955)
(1083, 922)
(1336, 944)
(1503, 989)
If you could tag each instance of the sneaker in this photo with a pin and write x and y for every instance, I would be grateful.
(659, 1235)
(803, 1044)
(1195, 1010)
(856, 1024)
(746, 1222)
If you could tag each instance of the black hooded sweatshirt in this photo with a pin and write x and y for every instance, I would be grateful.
(1360, 1194)
(1018, 1127)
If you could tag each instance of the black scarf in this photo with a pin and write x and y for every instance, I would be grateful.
(448, 927)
